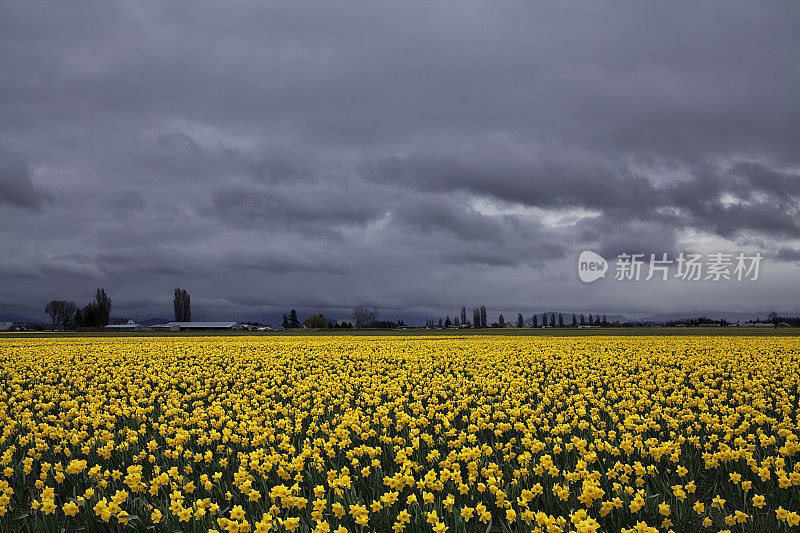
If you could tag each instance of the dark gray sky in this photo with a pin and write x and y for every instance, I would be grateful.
(415, 156)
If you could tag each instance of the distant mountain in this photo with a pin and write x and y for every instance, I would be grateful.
(153, 320)
(568, 318)
(11, 317)
(713, 315)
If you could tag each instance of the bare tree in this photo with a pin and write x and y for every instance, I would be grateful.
(67, 313)
(61, 312)
(364, 316)
(463, 315)
(52, 309)
(476, 318)
(483, 316)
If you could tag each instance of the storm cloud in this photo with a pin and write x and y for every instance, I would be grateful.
(417, 156)
(16, 183)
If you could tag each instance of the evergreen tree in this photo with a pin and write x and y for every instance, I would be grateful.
(544, 319)
(294, 322)
(447, 322)
(591, 320)
(574, 321)
(552, 320)
(501, 321)
(483, 316)
(463, 315)
(476, 318)
(583, 320)
(560, 320)
(285, 323)
(520, 321)
(535, 321)
(89, 316)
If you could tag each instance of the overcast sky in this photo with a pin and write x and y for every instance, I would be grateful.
(414, 156)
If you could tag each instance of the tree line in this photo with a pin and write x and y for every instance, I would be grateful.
(543, 320)
(360, 317)
(67, 315)
(97, 314)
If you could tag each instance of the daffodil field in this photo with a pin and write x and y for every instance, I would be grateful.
(415, 434)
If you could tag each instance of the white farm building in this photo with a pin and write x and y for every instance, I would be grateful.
(183, 326)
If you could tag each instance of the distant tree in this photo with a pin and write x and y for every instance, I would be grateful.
(182, 305)
(483, 316)
(77, 320)
(103, 303)
(773, 318)
(285, 323)
(544, 320)
(440, 322)
(535, 321)
(583, 320)
(591, 320)
(463, 315)
(560, 320)
(501, 321)
(447, 322)
(52, 309)
(574, 321)
(456, 322)
(604, 322)
(364, 316)
(88, 316)
(293, 320)
(315, 322)
(476, 318)
(520, 321)
(187, 307)
(61, 313)
(67, 314)
(177, 305)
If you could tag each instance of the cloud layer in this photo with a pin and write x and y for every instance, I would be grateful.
(417, 156)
